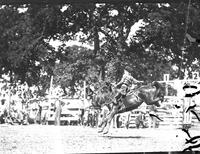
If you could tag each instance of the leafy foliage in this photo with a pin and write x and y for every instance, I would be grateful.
(155, 49)
(73, 68)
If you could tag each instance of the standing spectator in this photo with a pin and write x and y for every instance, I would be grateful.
(81, 117)
(39, 114)
(140, 120)
(3, 111)
(117, 121)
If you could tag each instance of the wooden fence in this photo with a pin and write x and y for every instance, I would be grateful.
(173, 114)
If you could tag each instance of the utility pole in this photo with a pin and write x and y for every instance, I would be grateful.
(84, 93)
(57, 112)
(57, 104)
(51, 84)
(166, 79)
(10, 93)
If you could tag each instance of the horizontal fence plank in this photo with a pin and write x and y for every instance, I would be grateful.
(171, 116)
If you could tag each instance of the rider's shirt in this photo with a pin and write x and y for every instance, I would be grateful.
(128, 80)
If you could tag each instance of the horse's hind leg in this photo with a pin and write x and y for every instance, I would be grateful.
(103, 122)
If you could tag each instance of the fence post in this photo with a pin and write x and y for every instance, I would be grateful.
(186, 116)
(57, 113)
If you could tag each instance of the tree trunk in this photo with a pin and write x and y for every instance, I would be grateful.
(103, 72)
(96, 41)
(96, 52)
(10, 88)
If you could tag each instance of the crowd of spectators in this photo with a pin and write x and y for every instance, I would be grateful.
(14, 100)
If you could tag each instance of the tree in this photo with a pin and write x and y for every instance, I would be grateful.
(163, 36)
(110, 22)
(24, 51)
(73, 68)
(154, 50)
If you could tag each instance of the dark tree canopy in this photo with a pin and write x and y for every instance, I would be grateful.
(155, 49)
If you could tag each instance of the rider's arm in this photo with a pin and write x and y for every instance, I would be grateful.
(136, 81)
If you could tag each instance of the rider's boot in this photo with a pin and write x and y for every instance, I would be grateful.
(119, 99)
(122, 97)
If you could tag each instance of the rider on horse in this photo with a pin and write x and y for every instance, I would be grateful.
(126, 82)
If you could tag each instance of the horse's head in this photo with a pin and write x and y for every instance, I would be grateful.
(101, 95)
(96, 96)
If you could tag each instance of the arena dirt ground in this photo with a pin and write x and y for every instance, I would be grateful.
(44, 139)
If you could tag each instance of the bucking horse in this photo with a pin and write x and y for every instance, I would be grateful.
(151, 94)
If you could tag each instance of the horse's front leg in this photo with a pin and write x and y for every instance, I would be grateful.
(110, 117)
(102, 126)
(103, 123)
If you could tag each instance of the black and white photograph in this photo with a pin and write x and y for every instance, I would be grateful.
(99, 76)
